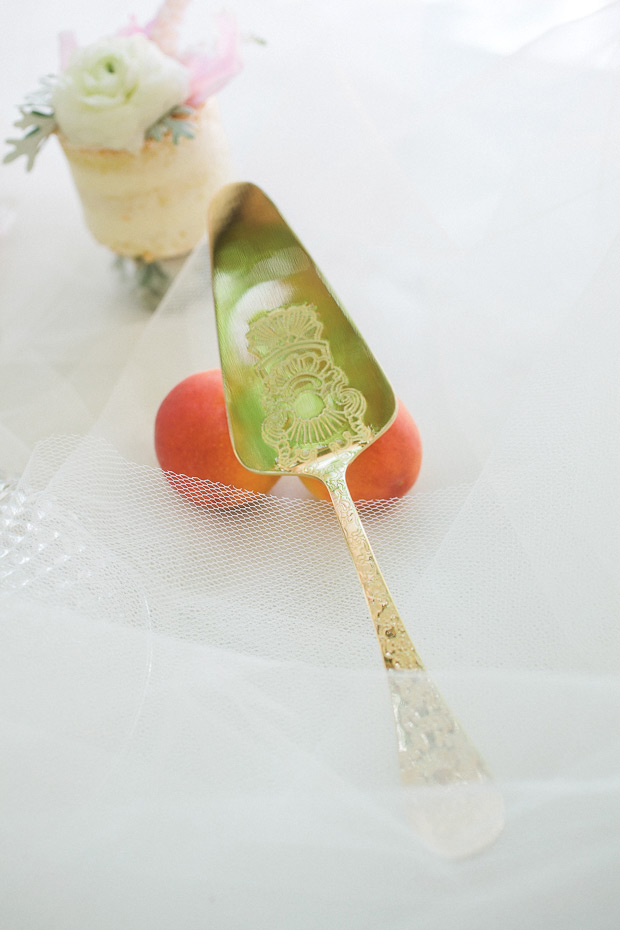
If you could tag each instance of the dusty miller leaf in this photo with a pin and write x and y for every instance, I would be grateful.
(41, 98)
(174, 123)
(40, 127)
(37, 117)
(150, 278)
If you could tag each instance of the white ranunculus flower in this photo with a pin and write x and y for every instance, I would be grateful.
(113, 90)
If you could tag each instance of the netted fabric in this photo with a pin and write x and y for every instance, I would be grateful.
(272, 577)
(197, 703)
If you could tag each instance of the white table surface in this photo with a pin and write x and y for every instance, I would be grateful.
(454, 169)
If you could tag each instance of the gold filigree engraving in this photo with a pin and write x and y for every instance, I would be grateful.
(433, 747)
(310, 408)
(293, 411)
(314, 421)
(396, 647)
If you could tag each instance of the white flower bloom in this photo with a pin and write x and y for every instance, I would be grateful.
(113, 90)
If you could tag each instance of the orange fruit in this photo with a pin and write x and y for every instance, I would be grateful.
(387, 468)
(192, 439)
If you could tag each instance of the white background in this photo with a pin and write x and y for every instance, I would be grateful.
(220, 754)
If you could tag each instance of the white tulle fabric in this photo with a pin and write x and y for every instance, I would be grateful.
(195, 725)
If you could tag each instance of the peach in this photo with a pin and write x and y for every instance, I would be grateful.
(387, 468)
(192, 439)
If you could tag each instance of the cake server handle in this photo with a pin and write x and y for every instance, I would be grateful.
(451, 800)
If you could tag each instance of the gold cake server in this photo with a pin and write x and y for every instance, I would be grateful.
(305, 396)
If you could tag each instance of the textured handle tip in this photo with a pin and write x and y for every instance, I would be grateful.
(452, 804)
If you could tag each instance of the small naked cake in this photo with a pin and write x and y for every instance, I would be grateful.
(139, 124)
(152, 204)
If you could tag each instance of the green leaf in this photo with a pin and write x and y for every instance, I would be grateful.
(157, 132)
(173, 122)
(37, 116)
(42, 96)
(40, 129)
(151, 279)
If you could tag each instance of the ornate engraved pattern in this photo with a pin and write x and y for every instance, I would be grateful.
(396, 647)
(433, 747)
(450, 798)
(310, 409)
(314, 420)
